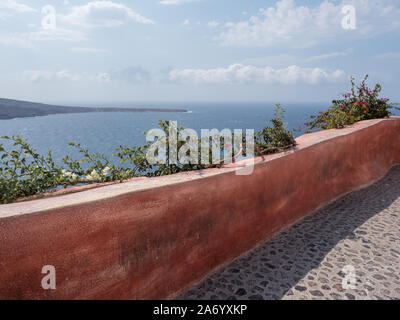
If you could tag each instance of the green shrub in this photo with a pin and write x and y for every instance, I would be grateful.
(276, 138)
(24, 172)
(137, 157)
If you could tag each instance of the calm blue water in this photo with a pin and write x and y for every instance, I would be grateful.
(102, 132)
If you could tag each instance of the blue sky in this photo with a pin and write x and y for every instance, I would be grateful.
(195, 50)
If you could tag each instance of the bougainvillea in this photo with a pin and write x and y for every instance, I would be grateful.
(361, 103)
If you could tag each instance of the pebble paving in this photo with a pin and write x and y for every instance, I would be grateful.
(348, 250)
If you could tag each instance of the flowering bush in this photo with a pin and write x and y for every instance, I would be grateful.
(362, 103)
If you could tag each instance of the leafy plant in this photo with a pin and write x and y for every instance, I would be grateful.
(24, 172)
(276, 138)
(362, 103)
(169, 167)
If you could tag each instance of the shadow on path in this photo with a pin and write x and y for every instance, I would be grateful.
(305, 261)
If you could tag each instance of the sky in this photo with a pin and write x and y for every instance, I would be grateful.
(110, 52)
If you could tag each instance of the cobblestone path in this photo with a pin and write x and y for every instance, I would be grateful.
(359, 234)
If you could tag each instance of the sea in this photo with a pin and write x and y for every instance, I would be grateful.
(103, 132)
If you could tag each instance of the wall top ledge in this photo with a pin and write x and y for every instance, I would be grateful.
(136, 185)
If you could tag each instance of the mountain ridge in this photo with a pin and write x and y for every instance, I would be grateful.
(11, 109)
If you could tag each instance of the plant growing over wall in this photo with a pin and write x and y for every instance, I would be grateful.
(24, 172)
(362, 103)
(275, 138)
(138, 161)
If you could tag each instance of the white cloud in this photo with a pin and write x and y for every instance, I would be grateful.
(186, 22)
(30, 39)
(213, 24)
(103, 14)
(248, 74)
(132, 75)
(58, 34)
(302, 26)
(38, 76)
(88, 50)
(103, 77)
(15, 6)
(67, 75)
(175, 2)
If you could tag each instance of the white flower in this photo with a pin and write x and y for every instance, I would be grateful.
(66, 174)
(106, 170)
(93, 176)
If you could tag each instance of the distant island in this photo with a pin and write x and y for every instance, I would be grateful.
(10, 109)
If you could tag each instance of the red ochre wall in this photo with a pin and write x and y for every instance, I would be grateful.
(154, 243)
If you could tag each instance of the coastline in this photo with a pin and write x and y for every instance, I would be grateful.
(12, 109)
